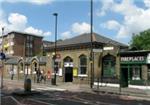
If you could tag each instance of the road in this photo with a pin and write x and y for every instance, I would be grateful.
(47, 96)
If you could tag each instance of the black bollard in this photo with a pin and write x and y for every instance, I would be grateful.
(27, 85)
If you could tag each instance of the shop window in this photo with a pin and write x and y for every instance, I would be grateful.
(82, 64)
(136, 73)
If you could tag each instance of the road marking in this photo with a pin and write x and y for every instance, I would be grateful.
(41, 102)
(48, 88)
(14, 99)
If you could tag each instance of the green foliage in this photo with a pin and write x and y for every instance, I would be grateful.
(141, 41)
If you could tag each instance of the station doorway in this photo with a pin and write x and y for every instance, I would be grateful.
(68, 74)
(68, 69)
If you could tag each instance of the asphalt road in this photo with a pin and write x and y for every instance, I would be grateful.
(69, 98)
(51, 97)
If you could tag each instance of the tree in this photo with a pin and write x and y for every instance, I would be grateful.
(141, 41)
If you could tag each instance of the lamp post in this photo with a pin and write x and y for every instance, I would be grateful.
(55, 68)
(91, 53)
(2, 60)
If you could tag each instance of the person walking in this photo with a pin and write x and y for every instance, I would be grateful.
(38, 73)
(11, 74)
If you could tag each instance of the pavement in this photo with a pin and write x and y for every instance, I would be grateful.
(134, 92)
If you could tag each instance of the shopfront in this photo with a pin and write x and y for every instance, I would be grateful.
(134, 68)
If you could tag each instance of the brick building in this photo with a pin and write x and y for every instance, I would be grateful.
(21, 44)
(74, 58)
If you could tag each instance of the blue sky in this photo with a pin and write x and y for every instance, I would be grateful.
(116, 19)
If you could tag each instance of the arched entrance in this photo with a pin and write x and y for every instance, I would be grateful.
(108, 68)
(68, 69)
(20, 70)
(34, 69)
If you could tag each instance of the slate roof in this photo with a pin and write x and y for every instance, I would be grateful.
(12, 60)
(86, 38)
(28, 60)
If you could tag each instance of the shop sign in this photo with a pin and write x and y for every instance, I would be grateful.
(108, 48)
(133, 59)
(68, 64)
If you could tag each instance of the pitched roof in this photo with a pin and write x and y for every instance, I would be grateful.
(14, 60)
(22, 33)
(86, 38)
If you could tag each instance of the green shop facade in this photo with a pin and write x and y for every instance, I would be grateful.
(134, 68)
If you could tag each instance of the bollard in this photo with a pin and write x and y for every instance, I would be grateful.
(27, 85)
(53, 81)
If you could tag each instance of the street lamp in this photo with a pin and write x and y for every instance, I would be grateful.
(2, 59)
(91, 53)
(55, 63)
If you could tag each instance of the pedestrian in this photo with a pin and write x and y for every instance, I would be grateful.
(44, 76)
(11, 74)
(38, 73)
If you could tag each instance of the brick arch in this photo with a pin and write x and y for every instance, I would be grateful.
(82, 55)
(34, 59)
(66, 55)
(68, 58)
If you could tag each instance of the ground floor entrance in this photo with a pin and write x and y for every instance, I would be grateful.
(130, 74)
(68, 69)
(68, 74)
(124, 77)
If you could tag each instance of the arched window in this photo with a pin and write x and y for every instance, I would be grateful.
(83, 64)
(109, 62)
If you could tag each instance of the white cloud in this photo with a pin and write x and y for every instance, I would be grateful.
(17, 21)
(127, 8)
(147, 3)
(79, 28)
(135, 19)
(37, 2)
(66, 35)
(36, 31)
(33, 30)
(106, 4)
(47, 33)
(112, 25)
(76, 29)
